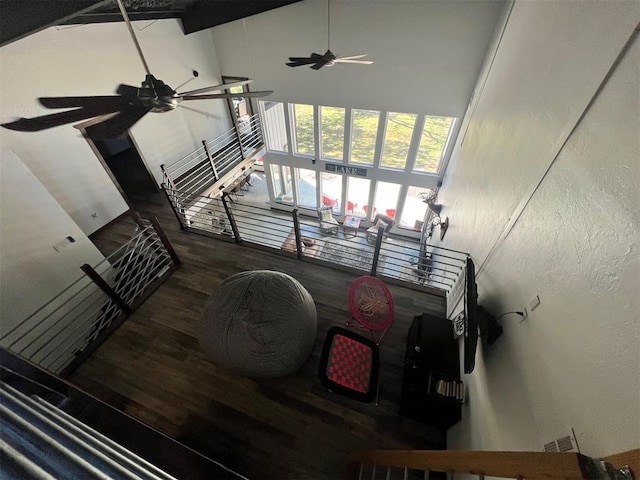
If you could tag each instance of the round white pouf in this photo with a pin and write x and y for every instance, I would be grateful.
(259, 324)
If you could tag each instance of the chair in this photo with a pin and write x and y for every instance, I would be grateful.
(372, 306)
(328, 224)
(351, 206)
(350, 364)
(391, 213)
(379, 221)
(329, 202)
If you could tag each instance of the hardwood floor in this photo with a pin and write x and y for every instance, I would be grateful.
(152, 368)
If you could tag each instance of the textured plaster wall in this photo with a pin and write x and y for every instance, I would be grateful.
(426, 54)
(575, 361)
(93, 60)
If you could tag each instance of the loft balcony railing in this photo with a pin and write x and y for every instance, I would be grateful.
(203, 168)
(63, 332)
(397, 260)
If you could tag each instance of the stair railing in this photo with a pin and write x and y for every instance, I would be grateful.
(63, 332)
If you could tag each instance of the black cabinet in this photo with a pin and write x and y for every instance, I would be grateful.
(431, 347)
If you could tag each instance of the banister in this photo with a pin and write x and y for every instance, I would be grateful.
(528, 465)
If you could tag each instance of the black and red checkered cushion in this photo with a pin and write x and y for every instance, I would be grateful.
(349, 364)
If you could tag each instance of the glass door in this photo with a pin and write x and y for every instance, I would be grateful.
(331, 191)
(307, 188)
(357, 196)
(282, 184)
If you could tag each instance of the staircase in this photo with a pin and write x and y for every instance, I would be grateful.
(51, 430)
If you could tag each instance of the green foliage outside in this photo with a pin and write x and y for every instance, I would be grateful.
(434, 138)
(363, 133)
(332, 132)
(397, 139)
(304, 129)
(399, 130)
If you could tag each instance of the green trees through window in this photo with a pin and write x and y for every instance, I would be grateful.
(400, 130)
(397, 139)
(364, 130)
(332, 134)
(434, 138)
(304, 126)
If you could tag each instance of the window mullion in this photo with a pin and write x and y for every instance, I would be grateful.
(402, 199)
(382, 126)
(316, 132)
(290, 124)
(415, 143)
(346, 155)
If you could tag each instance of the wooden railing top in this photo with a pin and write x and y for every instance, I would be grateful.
(528, 465)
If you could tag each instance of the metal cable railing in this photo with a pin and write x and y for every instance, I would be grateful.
(399, 259)
(195, 172)
(75, 319)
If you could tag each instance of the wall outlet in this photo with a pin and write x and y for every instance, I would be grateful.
(58, 247)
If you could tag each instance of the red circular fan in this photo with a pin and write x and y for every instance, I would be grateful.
(371, 304)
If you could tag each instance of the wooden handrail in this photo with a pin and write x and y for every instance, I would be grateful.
(529, 465)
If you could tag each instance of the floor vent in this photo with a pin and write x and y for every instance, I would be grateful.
(563, 442)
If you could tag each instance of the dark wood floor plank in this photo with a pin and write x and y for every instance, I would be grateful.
(153, 369)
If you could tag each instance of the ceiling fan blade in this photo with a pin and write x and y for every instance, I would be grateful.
(303, 61)
(110, 103)
(318, 66)
(213, 88)
(359, 62)
(55, 119)
(119, 123)
(127, 90)
(201, 112)
(227, 95)
(352, 57)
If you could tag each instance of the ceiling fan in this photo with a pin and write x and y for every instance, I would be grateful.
(328, 59)
(128, 106)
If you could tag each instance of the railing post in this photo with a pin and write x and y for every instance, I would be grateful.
(213, 165)
(167, 176)
(105, 287)
(175, 211)
(165, 240)
(296, 229)
(376, 251)
(232, 221)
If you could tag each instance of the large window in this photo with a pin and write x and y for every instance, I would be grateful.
(306, 188)
(303, 125)
(434, 139)
(397, 139)
(364, 130)
(332, 132)
(357, 196)
(386, 199)
(331, 191)
(276, 131)
(415, 208)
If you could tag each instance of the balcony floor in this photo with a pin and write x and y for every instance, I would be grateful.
(152, 368)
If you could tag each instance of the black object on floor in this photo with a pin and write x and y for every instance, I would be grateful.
(349, 365)
(431, 347)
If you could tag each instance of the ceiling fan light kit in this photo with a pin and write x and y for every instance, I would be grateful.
(129, 104)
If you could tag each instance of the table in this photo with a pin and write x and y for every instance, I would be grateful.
(351, 225)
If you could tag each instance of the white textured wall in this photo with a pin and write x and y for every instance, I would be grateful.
(93, 60)
(427, 54)
(575, 361)
(31, 223)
